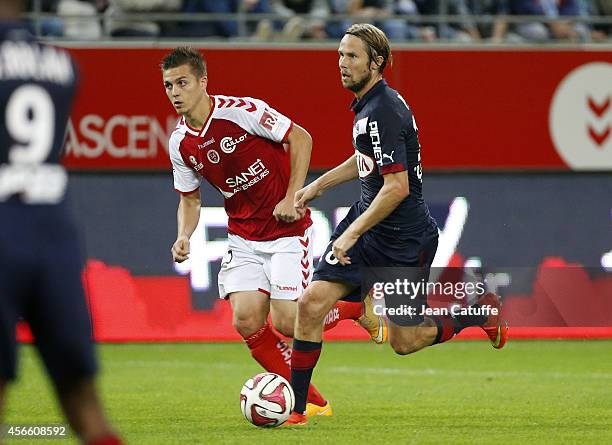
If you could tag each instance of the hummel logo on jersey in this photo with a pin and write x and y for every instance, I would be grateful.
(385, 155)
(285, 288)
(207, 143)
(255, 173)
(375, 136)
(228, 144)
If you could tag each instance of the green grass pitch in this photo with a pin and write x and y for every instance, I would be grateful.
(531, 392)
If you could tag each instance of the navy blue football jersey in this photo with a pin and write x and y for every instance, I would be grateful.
(385, 137)
(37, 86)
(40, 258)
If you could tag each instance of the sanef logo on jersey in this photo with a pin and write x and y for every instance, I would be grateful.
(255, 173)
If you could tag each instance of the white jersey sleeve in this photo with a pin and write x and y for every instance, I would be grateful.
(186, 180)
(255, 116)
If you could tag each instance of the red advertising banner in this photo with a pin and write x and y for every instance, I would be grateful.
(475, 109)
(127, 308)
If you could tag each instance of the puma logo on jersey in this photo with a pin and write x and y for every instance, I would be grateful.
(385, 155)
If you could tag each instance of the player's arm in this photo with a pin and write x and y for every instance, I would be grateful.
(300, 148)
(187, 217)
(394, 190)
(347, 171)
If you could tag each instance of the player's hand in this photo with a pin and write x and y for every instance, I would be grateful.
(343, 243)
(286, 212)
(306, 194)
(180, 249)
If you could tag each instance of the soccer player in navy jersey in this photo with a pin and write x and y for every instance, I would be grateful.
(40, 260)
(238, 144)
(390, 226)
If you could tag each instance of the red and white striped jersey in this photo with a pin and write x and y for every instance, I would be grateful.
(239, 151)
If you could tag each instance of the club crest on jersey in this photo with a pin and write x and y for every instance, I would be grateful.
(228, 144)
(365, 164)
(213, 156)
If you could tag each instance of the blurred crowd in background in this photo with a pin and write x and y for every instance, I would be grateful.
(463, 21)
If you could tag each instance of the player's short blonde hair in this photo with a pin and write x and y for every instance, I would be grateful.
(185, 55)
(376, 42)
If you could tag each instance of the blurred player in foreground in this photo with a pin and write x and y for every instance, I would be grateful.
(237, 145)
(389, 227)
(40, 261)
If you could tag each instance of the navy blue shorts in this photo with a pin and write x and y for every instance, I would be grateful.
(370, 251)
(40, 282)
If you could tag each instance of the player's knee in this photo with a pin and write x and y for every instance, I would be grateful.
(284, 325)
(404, 346)
(404, 349)
(69, 364)
(247, 325)
(311, 306)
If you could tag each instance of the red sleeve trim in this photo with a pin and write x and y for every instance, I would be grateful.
(392, 168)
(285, 138)
(187, 193)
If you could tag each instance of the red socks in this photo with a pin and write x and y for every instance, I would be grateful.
(446, 328)
(342, 310)
(107, 440)
(274, 355)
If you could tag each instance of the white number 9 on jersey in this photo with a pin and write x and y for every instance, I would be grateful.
(30, 123)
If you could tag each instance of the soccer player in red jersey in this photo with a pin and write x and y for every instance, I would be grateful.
(238, 144)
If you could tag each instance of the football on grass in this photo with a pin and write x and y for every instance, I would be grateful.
(266, 400)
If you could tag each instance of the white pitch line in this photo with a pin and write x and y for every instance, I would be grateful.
(370, 370)
(463, 373)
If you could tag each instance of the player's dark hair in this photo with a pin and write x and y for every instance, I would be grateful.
(376, 42)
(185, 55)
